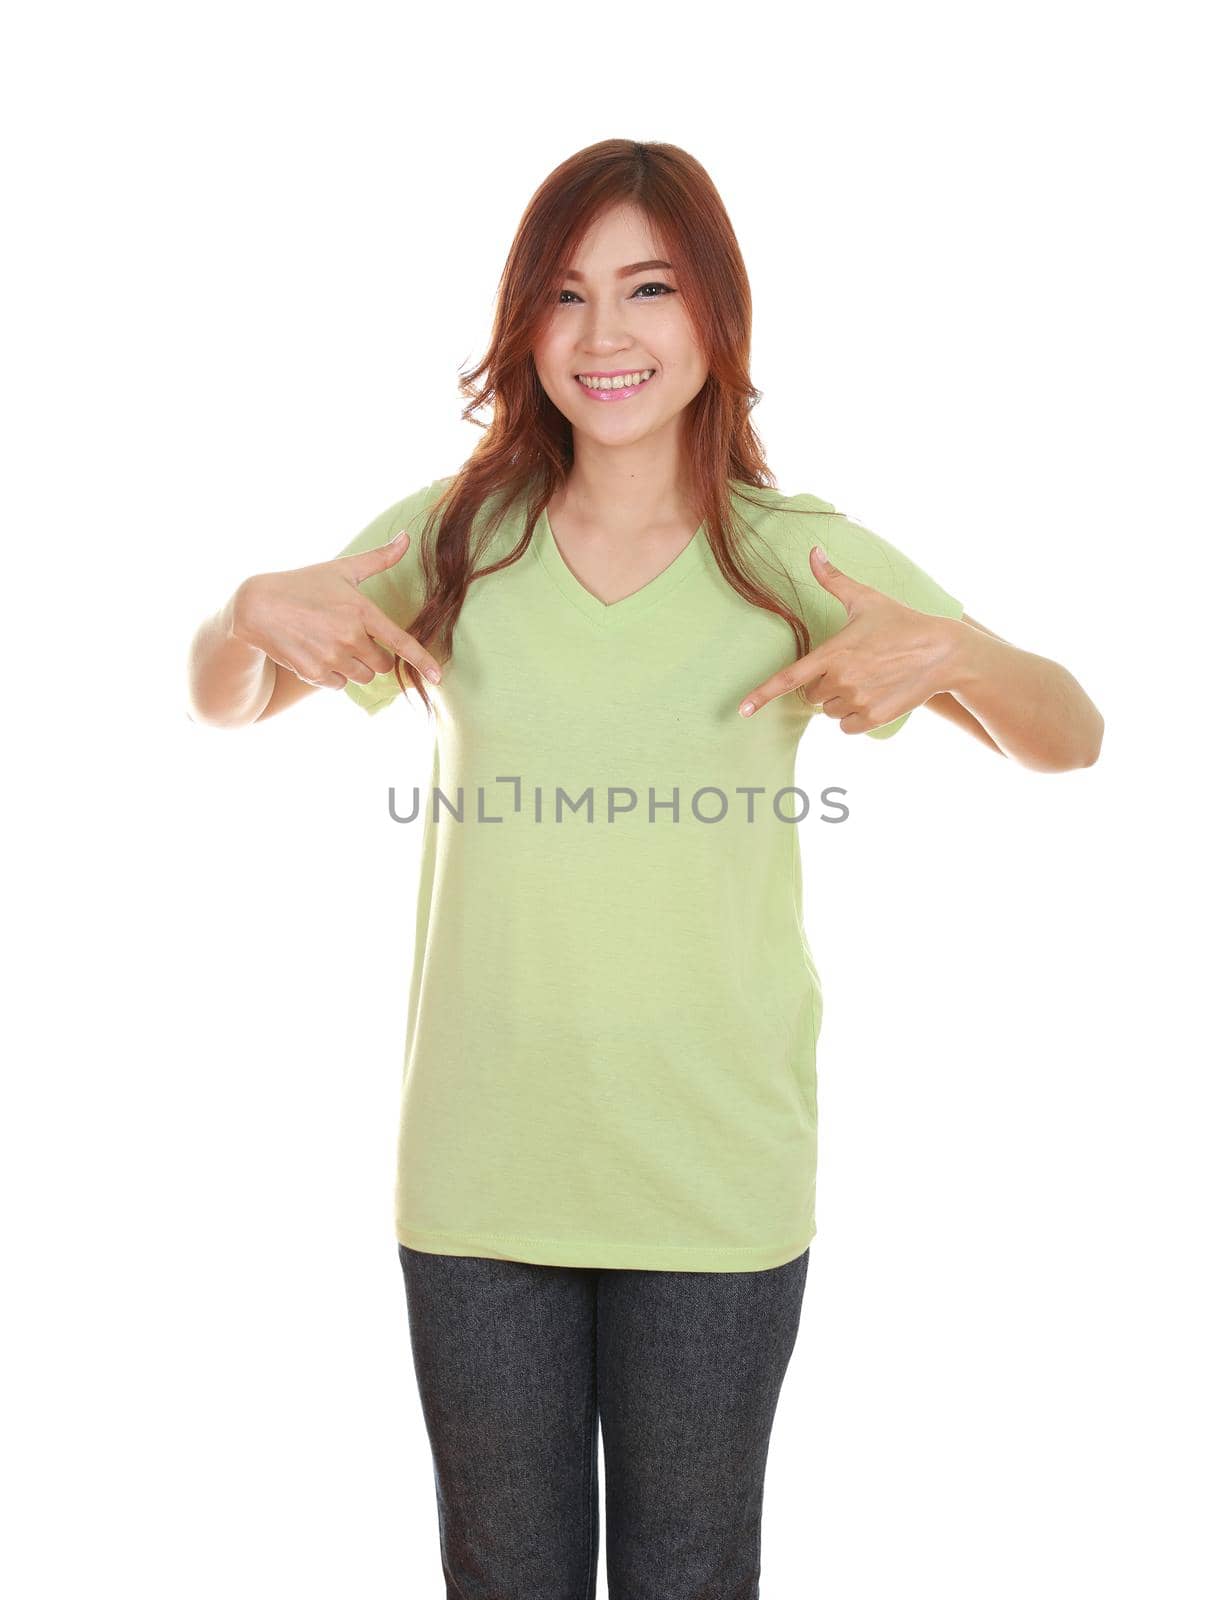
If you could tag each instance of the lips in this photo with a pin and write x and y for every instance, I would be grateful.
(608, 396)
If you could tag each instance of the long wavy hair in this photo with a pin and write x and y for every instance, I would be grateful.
(527, 448)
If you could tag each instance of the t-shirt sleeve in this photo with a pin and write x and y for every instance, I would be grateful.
(869, 558)
(399, 590)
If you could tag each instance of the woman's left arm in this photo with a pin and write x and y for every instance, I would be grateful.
(890, 657)
(1028, 707)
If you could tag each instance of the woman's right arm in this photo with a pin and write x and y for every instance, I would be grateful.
(283, 634)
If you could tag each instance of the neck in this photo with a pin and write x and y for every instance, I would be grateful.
(639, 485)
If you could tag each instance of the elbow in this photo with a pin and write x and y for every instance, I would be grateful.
(1095, 748)
(208, 715)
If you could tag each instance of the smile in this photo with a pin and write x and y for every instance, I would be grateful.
(609, 389)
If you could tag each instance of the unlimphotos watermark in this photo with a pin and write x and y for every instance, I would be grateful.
(614, 803)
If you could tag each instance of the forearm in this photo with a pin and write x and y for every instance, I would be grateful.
(1032, 707)
(229, 682)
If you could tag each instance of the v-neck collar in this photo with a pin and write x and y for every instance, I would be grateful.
(598, 611)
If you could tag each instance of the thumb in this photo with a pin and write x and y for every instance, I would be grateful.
(839, 583)
(368, 562)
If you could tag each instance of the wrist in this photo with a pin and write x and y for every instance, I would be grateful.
(962, 659)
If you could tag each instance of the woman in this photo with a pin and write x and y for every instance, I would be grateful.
(606, 1167)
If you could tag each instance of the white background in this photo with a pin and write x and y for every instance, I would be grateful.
(250, 249)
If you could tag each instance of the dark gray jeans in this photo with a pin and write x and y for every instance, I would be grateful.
(517, 1364)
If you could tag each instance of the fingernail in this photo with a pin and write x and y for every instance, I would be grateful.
(746, 709)
(433, 674)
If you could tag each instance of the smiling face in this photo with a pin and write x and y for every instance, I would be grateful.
(605, 320)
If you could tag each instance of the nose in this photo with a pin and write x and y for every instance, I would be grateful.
(604, 331)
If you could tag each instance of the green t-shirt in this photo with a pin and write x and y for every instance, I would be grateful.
(611, 1047)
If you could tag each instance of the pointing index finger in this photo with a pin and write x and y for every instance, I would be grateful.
(790, 677)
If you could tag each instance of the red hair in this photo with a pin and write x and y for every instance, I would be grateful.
(527, 447)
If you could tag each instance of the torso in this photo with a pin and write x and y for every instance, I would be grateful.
(612, 1025)
(614, 1010)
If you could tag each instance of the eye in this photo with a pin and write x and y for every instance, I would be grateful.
(665, 288)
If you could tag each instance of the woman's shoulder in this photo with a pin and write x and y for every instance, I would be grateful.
(794, 522)
(764, 504)
(783, 525)
(413, 508)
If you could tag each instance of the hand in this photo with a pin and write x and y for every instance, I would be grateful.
(316, 622)
(886, 659)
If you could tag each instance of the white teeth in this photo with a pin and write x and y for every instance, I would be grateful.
(629, 382)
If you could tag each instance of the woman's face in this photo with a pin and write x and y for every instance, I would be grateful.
(607, 320)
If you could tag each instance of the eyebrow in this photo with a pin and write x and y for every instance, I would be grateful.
(626, 272)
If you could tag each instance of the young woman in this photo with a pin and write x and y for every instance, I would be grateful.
(606, 1168)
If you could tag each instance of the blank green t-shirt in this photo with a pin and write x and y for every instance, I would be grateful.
(610, 1052)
